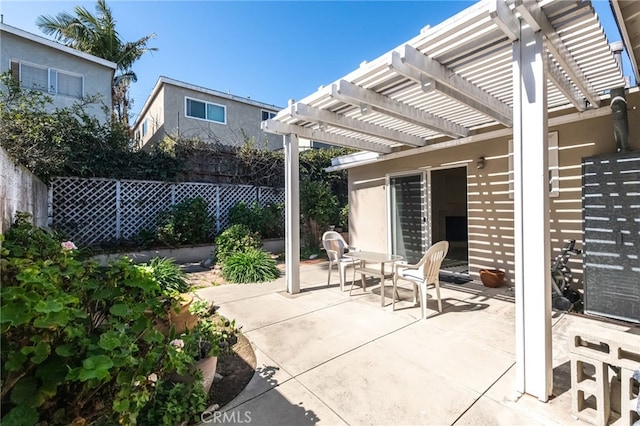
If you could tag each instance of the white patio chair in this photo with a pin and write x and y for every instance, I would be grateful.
(424, 273)
(336, 247)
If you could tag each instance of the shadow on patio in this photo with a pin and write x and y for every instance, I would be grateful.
(329, 358)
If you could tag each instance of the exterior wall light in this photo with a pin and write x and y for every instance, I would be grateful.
(480, 163)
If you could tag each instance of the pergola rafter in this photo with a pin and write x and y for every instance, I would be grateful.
(564, 85)
(533, 14)
(361, 97)
(307, 112)
(273, 126)
(456, 87)
(487, 67)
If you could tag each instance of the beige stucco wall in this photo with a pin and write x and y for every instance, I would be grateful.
(97, 77)
(490, 215)
(154, 115)
(166, 114)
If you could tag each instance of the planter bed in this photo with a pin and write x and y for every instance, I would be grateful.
(181, 255)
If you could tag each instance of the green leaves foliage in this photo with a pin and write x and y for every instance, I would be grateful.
(318, 203)
(75, 333)
(70, 141)
(187, 222)
(250, 266)
(167, 274)
(234, 239)
(268, 220)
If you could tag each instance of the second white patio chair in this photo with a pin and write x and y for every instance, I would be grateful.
(336, 247)
(422, 274)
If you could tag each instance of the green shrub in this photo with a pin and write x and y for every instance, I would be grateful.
(250, 266)
(318, 203)
(78, 339)
(236, 238)
(344, 218)
(187, 222)
(268, 221)
(71, 141)
(168, 275)
(175, 404)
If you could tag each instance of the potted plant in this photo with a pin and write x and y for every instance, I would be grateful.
(175, 289)
(492, 278)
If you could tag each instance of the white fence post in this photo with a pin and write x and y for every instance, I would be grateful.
(218, 209)
(50, 203)
(118, 210)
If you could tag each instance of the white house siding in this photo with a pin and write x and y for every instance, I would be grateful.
(20, 190)
(97, 78)
(490, 209)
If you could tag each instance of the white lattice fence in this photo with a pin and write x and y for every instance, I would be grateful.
(87, 210)
(229, 197)
(91, 211)
(140, 202)
(271, 195)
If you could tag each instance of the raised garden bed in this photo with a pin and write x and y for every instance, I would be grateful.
(190, 254)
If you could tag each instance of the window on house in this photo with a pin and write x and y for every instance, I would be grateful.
(33, 77)
(69, 85)
(205, 111)
(267, 115)
(51, 80)
(144, 128)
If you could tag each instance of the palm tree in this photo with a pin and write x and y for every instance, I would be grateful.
(97, 35)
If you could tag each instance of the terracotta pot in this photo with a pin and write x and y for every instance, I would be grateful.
(183, 319)
(492, 277)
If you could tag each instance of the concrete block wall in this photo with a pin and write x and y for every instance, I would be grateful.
(20, 190)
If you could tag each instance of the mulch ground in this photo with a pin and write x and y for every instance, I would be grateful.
(236, 367)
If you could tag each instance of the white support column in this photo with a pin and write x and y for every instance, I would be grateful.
(292, 212)
(531, 217)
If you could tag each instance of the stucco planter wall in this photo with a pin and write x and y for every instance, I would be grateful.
(273, 245)
(183, 254)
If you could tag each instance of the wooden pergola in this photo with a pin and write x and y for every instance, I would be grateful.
(500, 65)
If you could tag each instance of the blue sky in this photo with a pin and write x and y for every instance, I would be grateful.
(268, 51)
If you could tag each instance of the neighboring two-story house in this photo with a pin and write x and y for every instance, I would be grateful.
(65, 74)
(176, 108)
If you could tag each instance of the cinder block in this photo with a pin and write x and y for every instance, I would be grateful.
(629, 392)
(583, 386)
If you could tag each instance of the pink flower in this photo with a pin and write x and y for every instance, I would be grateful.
(178, 344)
(68, 246)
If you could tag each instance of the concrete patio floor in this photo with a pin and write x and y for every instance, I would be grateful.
(327, 358)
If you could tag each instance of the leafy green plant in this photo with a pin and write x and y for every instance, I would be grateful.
(187, 222)
(250, 266)
(79, 339)
(236, 238)
(201, 308)
(169, 276)
(268, 221)
(175, 403)
(70, 141)
(344, 217)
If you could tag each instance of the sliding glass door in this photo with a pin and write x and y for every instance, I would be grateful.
(407, 216)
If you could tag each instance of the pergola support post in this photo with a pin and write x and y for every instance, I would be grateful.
(292, 212)
(531, 217)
